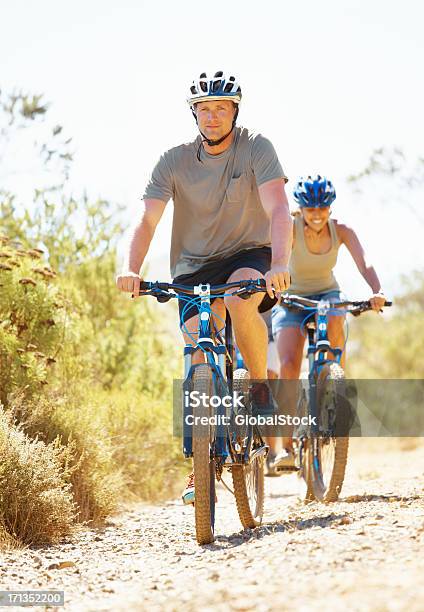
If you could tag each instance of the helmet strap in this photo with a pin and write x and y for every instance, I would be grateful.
(215, 143)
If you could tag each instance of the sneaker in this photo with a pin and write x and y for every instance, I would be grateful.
(188, 493)
(284, 461)
(269, 467)
(261, 399)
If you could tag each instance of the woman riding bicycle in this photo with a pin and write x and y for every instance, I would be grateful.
(316, 242)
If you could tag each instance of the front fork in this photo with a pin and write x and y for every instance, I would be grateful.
(320, 345)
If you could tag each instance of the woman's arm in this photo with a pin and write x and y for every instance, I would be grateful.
(349, 238)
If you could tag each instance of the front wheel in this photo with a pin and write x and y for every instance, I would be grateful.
(203, 460)
(248, 479)
(301, 441)
(327, 450)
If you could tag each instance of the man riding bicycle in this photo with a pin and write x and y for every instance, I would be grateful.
(231, 222)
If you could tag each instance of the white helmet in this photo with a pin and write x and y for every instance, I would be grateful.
(216, 88)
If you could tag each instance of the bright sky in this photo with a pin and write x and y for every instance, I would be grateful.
(326, 81)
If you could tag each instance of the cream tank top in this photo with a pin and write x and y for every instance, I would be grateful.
(312, 273)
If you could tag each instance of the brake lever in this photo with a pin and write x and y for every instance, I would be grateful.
(356, 313)
(161, 295)
(245, 292)
(165, 297)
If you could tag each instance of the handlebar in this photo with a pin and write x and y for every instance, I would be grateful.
(297, 302)
(166, 291)
(244, 289)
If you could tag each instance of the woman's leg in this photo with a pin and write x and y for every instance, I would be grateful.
(290, 343)
(273, 373)
(336, 335)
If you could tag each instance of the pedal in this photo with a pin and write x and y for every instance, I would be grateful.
(287, 470)
(284, 462)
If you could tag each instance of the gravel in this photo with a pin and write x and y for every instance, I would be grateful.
(362, 553)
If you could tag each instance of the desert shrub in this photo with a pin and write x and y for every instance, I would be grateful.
(390, 346)
(41, 324)
(6, 540)
(78, 425)
(82, 367)
(35, 500)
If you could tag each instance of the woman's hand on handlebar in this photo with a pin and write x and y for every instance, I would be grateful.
(377, 301)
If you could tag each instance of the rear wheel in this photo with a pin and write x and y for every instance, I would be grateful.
(248, 479)
(327, 452)
(203, 461)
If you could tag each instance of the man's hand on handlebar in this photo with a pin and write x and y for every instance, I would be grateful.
(277, 279)
(130, 282)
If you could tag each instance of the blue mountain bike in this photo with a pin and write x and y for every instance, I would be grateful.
(321, 448)
(216, 430)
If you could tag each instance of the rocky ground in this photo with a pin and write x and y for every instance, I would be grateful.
(362, 553)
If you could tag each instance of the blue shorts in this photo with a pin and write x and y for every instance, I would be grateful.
(283, 317)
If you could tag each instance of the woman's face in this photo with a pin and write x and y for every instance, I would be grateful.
(316, 218)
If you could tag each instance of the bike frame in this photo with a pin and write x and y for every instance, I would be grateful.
(219, 362)
(220, 358)
(205, 342)
(318, 349)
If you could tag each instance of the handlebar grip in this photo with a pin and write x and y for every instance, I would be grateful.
(144, 286)
(387, 303)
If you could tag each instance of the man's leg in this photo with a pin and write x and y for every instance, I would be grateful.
(250, 329)
(251, 335)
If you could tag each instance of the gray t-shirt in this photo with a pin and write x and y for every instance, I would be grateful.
(217, 210)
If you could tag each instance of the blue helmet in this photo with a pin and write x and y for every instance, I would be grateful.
(314, 192)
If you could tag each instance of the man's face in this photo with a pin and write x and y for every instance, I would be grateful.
(316, 218)
(215, 118)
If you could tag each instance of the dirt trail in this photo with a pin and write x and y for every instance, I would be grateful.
(363, 553)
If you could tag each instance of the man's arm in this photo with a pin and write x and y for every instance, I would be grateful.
(139, 244)
(274, 200)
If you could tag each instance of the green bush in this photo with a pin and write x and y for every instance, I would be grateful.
(41, 324)
(86, 372)
(390, 346)
(29, 312)
(35, 500)
(79, 426)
